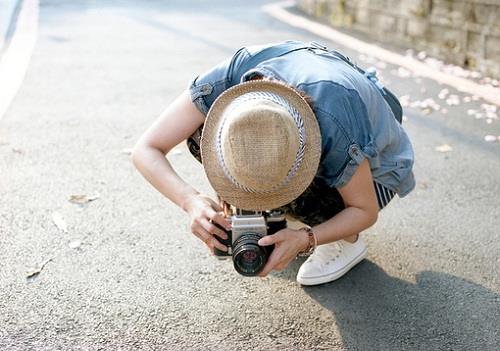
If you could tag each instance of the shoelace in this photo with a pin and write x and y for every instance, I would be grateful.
(329, 252)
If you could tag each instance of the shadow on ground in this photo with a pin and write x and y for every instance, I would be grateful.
(375, 311)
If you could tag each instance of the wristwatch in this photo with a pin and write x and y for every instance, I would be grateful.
(312, 242)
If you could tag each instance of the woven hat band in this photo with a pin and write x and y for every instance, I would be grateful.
(260, 142)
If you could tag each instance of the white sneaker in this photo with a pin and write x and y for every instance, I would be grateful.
(331, 261)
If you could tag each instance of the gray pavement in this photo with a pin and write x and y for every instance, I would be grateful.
(127, 274)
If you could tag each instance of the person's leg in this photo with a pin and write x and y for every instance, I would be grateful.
(384, 196)
(331, 261)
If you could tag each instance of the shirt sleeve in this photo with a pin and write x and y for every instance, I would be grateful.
(208, 86)
(346, 137)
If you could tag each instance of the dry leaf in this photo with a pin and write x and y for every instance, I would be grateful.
(424, 185)
(404, 100)
(34, 273)
(444, 148)
(59, 221)
(453, 100)
(443, 93)
(82, 199)
(75, 244)
(403, 72)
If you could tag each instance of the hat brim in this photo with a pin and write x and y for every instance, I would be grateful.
(231, 193)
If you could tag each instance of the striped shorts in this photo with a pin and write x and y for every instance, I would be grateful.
(384, 195)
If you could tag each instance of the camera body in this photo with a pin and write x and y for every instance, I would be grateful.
(247, 228)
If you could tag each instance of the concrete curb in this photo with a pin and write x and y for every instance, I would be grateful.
(9, 9)
(280, 11)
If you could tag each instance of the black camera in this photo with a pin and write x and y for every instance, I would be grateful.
(247, 228)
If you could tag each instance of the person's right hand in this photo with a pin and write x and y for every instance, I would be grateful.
(204, 213)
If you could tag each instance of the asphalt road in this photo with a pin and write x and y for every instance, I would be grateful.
(127, 274)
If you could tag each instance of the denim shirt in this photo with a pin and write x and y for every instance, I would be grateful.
(354, 119)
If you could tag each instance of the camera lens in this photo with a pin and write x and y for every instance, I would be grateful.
(248, 257)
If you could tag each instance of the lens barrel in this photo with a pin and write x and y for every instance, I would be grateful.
(248, 257)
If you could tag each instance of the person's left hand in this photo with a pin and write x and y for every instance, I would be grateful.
(288, 243)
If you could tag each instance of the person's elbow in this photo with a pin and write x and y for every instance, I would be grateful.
(138, 153)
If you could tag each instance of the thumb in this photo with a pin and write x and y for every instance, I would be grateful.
(215, 205)
(271, 239)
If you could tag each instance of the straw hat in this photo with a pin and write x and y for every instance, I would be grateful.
(260, 145)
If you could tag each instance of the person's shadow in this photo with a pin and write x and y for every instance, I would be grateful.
(375, 311)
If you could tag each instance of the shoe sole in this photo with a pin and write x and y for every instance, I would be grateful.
(333, 276)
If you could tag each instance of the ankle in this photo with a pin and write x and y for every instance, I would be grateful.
(352, 239)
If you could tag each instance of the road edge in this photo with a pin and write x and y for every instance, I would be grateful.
(15, 59)
(280, 11)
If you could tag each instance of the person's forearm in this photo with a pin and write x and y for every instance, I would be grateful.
(153, 165)
(350, 221)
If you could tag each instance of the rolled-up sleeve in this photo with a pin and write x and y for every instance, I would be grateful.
(347, 137)
(205, 88)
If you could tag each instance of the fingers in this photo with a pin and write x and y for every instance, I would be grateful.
(210, 240)
(218, 217)
(213, 229)
(272, 239)
(271, 263)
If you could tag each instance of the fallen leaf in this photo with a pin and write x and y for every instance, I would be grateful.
(421, 55)
(453, 100)
(59, 221)
(443, 93)
(75, 244)
(31, 275)
(404, 100)
(444, 148)
(82, 199)
(403, 72)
